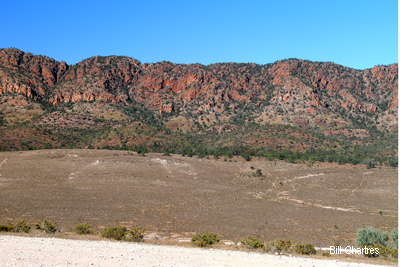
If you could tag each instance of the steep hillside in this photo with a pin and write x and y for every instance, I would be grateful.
(291, 104)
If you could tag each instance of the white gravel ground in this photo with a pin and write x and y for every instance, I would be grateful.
(29, 251)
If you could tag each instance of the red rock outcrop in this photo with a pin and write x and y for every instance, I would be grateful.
(297, 84)
(300, 120)
(319, 121)
(168, 108)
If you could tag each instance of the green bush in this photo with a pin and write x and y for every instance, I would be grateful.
(395, 237)
(374, 238)
(135, 235)
(259, 173)
(281, 244)
(115, 232)
(368, 252)
(326, 254)
(9, 227)
(205, 239)
(252, 243)
(390, 254)
(370, 236)
(47, 226)
(370, 163)
(122, 233)
(246, 157)
(22, 226)
(83, 229)
(307, 248)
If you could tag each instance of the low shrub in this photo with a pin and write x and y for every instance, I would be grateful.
(368, 253)
(205, 239)
(374, 238)
(307, 248)
(258, 173)
(83, 229)
(252, 243)
(395, 237)
(122, 233)
(281, 245)
(326, 254)
(336, 246)
(390, 254)
(115, 232)
(47, 226)
(9, 227)
(21, 226)
(370, 163)
(135, 235)
(370, 236)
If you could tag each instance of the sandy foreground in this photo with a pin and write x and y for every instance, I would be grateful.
(31, 251)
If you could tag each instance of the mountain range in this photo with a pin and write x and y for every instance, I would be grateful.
(291, 106)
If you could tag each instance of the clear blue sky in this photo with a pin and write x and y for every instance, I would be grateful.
(353, 33)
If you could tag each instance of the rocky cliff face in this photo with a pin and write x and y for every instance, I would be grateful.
(306, 92)
(33, 76)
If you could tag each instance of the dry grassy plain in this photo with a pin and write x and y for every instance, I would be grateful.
(177, 196)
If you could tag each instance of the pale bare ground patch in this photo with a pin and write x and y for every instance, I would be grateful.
(1, 164)
(72, 249)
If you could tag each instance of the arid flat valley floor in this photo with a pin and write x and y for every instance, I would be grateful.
(179, 196)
